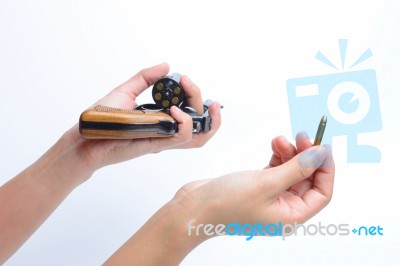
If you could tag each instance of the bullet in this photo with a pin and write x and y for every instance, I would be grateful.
(320, 131)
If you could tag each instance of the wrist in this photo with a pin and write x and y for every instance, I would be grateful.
(69, 157)
(194, 214)
(37, 191)
(163, 239)
(172, 227)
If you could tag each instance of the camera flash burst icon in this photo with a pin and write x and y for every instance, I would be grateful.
(349, 99)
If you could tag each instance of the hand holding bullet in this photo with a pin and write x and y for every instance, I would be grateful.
(320, 131)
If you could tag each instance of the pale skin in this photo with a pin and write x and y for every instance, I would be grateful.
(297, 183)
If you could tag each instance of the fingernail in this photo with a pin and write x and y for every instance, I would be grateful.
(283, 138)
(302, 136)
(313, 158)
(174, 109)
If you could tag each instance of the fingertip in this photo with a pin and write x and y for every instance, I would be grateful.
(215, 113)
(281, 139)
(187, 80)
(185, 124)
(301, 166)
(273, 144)
(276, 144)
(174, 110)
(165, 63)
(215, 107)
(177, 114)
(181, 117)
(302, 141)
(164, 66)
(313, 157)
(189, 86)
(216, 104)
(284, 147)
(302, 135)
(155, 72)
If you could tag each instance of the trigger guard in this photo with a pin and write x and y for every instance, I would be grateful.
(200, 122)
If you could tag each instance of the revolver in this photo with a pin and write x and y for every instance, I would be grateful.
(147, 120)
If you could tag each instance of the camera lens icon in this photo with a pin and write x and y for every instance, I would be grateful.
(350, 102)
(341, 99)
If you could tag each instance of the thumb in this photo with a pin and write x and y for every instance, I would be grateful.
(300, 167)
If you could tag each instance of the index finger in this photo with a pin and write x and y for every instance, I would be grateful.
(283, 151)
(200, 139)
(142, 80)
(297, 169)
(193, 94)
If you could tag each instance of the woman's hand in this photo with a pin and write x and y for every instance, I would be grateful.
(98, 153)
(296, 185)
(30, 197)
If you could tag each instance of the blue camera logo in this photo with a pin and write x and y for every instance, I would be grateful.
(348, 99)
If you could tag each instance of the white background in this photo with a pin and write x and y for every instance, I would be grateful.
(58, 57)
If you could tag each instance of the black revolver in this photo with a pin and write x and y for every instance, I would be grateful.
(147, 120)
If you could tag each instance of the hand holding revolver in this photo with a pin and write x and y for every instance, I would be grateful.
(119, 106)
(146, 120)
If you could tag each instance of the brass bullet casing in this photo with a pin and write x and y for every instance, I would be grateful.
(177, 90)
(157, 96)
(160, 86)
(320, 131)
(175, 100)
(165, 103)
(168, 92)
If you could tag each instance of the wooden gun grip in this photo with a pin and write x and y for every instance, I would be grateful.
(103, 122)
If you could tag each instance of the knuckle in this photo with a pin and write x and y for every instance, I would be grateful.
(183, 190)
(328, 199)
(142, 75)
(298, 169)
(303, 172)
